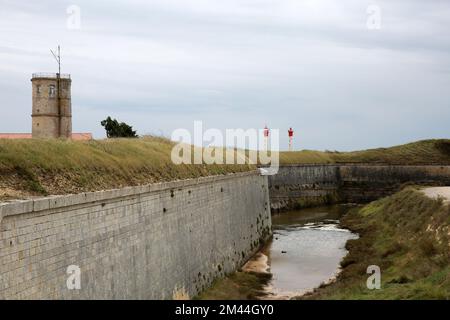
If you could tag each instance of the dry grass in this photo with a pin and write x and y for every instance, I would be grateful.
(421, 152)
(40, 167)
(237, 286)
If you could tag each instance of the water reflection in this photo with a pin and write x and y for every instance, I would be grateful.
(306, 250)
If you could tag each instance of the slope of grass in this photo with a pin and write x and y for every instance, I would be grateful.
(237, 286)
(40, 167)
(407, 236)
(421, 152)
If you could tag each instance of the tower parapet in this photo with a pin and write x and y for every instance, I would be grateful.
(52, 106)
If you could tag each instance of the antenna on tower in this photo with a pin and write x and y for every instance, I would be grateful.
(58, 59)
(58, 81)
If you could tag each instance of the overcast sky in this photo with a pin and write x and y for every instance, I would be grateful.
(314, 65)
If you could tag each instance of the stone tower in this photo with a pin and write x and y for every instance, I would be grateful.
(52, 106)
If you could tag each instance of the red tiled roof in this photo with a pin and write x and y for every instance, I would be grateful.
(82, 136)
(75, 136)
(15, 135)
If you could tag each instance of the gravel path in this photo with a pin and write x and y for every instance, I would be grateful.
(435, 192)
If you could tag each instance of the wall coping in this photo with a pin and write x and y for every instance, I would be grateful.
(366, 164)
(17, 207)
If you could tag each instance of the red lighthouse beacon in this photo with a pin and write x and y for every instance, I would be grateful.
(291, 138)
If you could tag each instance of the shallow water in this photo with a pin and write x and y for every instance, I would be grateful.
(306, 250)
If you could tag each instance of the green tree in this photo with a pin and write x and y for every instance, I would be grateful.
(114, 129)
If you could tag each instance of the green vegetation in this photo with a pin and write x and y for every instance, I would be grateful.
(237, 286)
(114, 129)
(407, 236)
(421, 152)
(312, 202)
(40, 167)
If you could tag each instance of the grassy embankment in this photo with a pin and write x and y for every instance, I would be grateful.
(240, 285)
(41, 167)
(421, 152)
(407, 236)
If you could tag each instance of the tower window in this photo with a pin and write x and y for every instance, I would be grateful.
(38, 89)
(51, 91)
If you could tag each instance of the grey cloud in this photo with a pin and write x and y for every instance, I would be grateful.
(162, 64)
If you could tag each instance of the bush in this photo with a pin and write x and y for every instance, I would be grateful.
(114, 129)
